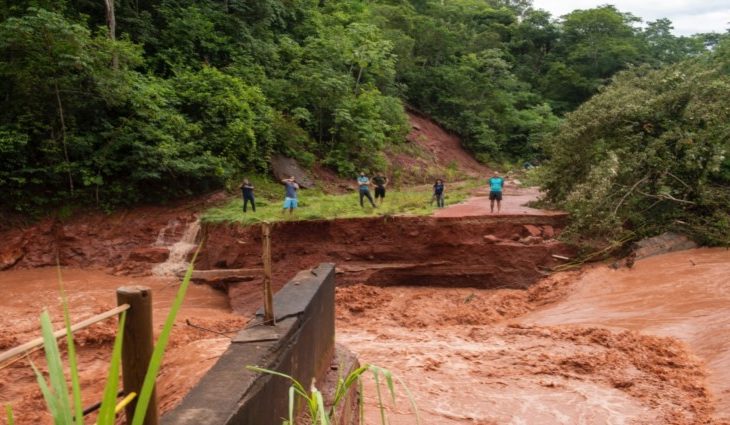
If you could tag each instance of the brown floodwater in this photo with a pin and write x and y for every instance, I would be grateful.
(647, 345)
(684, 295)
(24, 294)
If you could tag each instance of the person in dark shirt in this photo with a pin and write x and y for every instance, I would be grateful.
(247, 192)
(438, 193)
(380, 183)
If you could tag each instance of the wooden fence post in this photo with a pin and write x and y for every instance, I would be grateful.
(268, 293)
(137, 346)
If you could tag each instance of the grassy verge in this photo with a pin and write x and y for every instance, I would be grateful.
(316, 205)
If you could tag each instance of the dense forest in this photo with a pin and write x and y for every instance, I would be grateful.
(115, 102)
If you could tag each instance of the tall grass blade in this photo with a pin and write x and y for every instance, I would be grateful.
(411, 399)
(317, 396)
(9, 413)
(376, 376)
(107, 412)
(389, 381)
(156, 361)
(361, 401)
(291, 405)
(56, 376)
(72, 360)
(296, 384)
(48, 396)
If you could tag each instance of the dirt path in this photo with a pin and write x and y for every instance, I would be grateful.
(25, 293)
(513, 204)
(556, 353)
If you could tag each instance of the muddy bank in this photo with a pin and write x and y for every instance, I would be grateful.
(127, 242)
(479, 251)
(25, 293)
(555, 353)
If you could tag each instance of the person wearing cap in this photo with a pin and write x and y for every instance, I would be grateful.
(363, 183)
(495, 191)
(290, 200)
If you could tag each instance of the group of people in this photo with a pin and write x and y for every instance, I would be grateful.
(363, 182)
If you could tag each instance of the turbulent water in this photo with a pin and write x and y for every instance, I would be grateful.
(685, 295)
(25, 293)
(177, 263)
(647, 345)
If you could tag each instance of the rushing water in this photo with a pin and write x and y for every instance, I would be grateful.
(24, 294)
(177, 263)
(685, 295)
(570, 362)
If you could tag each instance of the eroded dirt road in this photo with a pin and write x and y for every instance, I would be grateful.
(513, 204)
(641, 346)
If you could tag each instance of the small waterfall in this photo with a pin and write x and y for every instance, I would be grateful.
(176, 263)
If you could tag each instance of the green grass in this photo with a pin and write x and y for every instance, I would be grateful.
(316, 205)
(313, 399)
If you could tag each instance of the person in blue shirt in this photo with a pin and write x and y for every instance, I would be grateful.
(290, 201)
(247, 192)
(438, 193)
(495, 191)
(363, 183)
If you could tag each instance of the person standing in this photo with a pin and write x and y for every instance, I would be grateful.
(363, 183)
(495, 191)
(290, 200)
(247, 192)
(380, 183)
(438, 193)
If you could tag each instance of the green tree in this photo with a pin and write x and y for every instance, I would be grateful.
(647, 154)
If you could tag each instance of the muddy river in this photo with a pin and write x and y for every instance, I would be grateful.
(647, 345)
(25, 293)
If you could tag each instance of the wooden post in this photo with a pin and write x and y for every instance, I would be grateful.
(137, 346)
(266, 256)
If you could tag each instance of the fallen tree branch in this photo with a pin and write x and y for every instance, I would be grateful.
(667, 198)
(626, 195)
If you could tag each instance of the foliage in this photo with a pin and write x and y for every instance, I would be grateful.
(649, 153)
(68, 411)
(186, 94)
(317, 414)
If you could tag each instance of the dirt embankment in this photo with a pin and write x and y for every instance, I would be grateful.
(127, 242)
(481, 252)
(432, 152)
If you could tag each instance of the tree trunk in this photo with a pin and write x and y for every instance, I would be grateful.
(63, 137)
(359, 75)
(111, 20)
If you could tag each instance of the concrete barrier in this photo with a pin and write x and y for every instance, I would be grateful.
(300, 345)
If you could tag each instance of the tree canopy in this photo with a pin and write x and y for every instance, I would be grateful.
(121, 101)
(649, 153)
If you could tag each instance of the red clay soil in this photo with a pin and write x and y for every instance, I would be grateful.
(481, 252)
(127, 242)
(475, 356)
(25, 293)
(432, 152)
